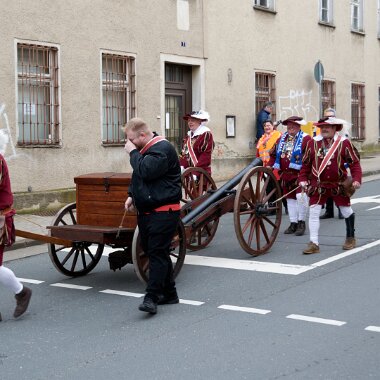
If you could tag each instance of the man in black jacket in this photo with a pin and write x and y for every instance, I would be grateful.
(155, 191)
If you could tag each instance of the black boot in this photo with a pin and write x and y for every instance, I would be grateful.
(329, 213)
(301, 227)
(291, 229)
(350, 242)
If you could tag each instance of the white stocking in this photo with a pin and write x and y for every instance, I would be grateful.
(8, 278)
(346, 211)
(314, 212)
(303, 205)
(292, 210)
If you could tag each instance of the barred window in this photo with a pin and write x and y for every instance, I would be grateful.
(328, 94)
(118, 96)
(38, 95)
(358, 111)
(265, 91)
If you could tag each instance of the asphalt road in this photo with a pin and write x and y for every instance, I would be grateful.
(280, 316)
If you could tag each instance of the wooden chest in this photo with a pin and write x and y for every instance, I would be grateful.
(101, 198)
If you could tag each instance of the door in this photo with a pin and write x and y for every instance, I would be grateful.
(177, 102)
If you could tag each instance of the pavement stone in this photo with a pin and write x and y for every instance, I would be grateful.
(37, 224)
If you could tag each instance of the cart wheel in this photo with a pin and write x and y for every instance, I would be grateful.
(79, 259)
(202, 237)
(257, 220)
(177, 254)
(195, 187)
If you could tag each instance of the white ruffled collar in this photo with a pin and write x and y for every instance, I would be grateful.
(199, 131)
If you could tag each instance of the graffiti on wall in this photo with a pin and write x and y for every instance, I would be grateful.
(297, 103)
(7, 146)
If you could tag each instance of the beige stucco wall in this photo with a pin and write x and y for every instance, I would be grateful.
(81, 30)
(288, 44)
(222, 35)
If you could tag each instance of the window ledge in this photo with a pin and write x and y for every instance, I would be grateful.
(264, 9)
(108, 145)
(328, 24)
(359, 32)
(32, 146)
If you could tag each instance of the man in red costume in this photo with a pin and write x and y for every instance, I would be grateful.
(7, 238)
(198, 144)
(287, 157)
(323, 171)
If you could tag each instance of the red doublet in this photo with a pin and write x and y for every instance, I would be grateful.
(334, 172)
(6, 201)
(203, 145)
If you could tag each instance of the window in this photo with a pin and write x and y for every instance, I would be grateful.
(357, 15)
(268, 4)
(378, 18)
(37, 95)
(358, 111)
(328, 94)
(118, 96)
(265, 91)
(326, 11)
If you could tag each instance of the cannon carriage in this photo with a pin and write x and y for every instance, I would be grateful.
(80, 231)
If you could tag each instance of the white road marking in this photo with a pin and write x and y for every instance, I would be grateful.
(122, 293)
(373, 328)
(316, 320)
(30, 281)
(344, 254)
(190, 302)
(258, 266)
(71, 286)
(244, 309)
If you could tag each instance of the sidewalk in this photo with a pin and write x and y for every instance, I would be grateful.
(37, 224)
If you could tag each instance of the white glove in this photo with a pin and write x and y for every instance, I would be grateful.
(303, 184)
(182, 169)
(195, 177)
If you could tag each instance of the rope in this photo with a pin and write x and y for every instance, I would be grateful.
(279, 199)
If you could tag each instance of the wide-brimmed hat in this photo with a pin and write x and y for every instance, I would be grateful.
(295, 120)
(331, 121)
(200, 115)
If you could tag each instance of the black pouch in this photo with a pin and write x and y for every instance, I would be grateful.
(119, 259)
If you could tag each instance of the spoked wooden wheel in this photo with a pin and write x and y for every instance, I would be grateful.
(79, 259)
(195, 183)
(257, 218)
(177, 254)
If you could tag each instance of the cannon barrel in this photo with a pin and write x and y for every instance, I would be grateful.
(218, 194)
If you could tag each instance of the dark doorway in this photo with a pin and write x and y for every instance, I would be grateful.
(177, 102)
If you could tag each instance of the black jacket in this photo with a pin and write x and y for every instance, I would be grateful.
(156, 178)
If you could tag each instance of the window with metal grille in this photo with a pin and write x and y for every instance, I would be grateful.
(118, 96)
(265, 91)
(269, 4)
(326, 11)
(358, 111)
(37, 95)
(357, 15)
(328, 94)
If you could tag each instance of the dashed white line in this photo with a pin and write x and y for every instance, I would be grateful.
(122, 293)
(30, 280)
(190, 302)
(324, 321)
(244, 309)
(373, 328)
(71, 286)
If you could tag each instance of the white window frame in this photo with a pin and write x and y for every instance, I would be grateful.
(55, 139)
(131, 111)
(265, 4)
(357, 15)
(378, 18)
(326, 11)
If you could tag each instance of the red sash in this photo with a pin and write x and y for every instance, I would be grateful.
(326, 159)
(154, 140)
(193, 157)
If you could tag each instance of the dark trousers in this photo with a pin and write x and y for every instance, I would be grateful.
(157, 230)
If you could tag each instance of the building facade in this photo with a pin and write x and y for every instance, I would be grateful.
(72, 73)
